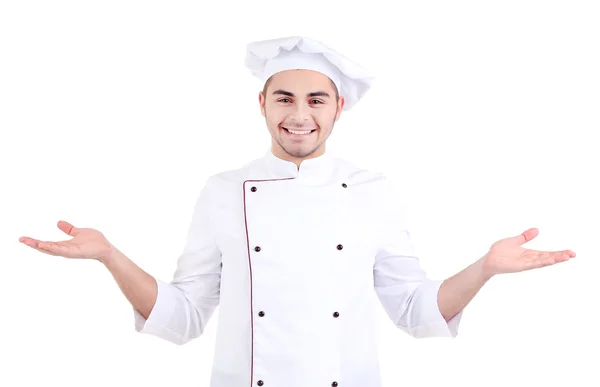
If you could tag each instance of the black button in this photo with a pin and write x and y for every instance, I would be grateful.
(257, 248)
(260, 383)
(339, 247)
(261, 313)
(253, 189)
(334, 384)
(344, 185)
(336, 314)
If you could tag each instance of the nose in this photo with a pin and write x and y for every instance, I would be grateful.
(301, 114)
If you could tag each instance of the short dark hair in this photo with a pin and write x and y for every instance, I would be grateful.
(337, 93)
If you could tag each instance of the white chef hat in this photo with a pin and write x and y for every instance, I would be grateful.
(267, 57)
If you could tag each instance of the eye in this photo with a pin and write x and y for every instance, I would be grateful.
(283, 100)
(317, 101)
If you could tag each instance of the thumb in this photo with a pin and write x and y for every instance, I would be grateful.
(67, 228)
(525, 236)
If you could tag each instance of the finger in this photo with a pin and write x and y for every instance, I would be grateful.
(26, 240)
(67, 228)
(31, 242)
(562, 254)
(526, 236)
(34, 244)
(54, 247)
(570, 253)
(542, 254)
(45, 251)
(550, 258)
(539, 262)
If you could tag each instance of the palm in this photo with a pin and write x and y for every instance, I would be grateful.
(86, 243)
(508, 256)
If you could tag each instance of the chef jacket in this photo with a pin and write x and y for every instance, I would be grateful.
(296, 258)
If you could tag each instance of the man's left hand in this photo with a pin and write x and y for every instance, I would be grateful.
(508, 256)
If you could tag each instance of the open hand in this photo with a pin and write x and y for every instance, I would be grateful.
(86, 243)
(508, 256)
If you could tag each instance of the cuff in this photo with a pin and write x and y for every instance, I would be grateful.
(158, 321)
(435, 325)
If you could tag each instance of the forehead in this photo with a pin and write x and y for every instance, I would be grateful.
(300, 81)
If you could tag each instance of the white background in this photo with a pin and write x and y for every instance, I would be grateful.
(485, 115)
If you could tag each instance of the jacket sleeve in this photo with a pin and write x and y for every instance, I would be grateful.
(185, 304)
(408, 296)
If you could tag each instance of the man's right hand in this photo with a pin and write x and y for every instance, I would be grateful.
(86, 243)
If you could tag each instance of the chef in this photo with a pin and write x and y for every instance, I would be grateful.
(299, 247)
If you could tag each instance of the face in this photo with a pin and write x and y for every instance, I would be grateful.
(302, 101)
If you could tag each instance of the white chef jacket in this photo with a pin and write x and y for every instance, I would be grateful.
(296, 258)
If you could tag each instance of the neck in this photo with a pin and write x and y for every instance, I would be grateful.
(282, 154)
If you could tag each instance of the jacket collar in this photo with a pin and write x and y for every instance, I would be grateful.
(315, 170)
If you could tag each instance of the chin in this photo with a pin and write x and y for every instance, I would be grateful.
(301, 152)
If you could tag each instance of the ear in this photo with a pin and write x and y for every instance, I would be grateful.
(261, 101)
(340, 106)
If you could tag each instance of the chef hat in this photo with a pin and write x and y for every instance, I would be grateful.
(267, 57)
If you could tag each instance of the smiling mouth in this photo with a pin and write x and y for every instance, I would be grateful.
(298, 132)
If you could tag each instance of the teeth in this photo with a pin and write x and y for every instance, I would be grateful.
(298, 131)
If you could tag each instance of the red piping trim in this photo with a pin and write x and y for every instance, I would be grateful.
(250, 266)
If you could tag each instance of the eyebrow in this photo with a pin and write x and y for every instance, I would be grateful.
(313, 94)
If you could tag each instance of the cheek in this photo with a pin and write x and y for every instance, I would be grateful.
(273, 120)
(275, 116)
(325, 117)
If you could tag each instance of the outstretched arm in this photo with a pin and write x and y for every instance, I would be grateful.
(505, 256)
